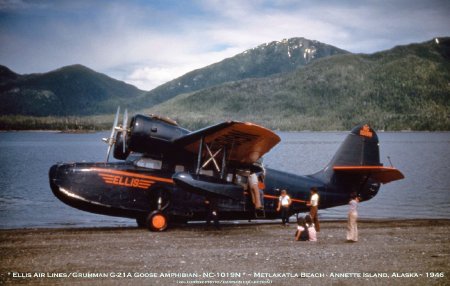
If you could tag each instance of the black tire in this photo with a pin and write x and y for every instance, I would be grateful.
(157, 221)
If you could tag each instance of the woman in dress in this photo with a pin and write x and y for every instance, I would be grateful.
(352, 228)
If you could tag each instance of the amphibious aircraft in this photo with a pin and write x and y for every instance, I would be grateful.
(165, 173)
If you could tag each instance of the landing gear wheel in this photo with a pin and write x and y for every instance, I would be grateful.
(157, 221)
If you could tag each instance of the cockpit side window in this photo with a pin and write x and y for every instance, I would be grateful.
(179, 168)
(149, 163)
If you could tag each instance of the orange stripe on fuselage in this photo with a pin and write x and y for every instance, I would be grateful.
(276, 198)
(356, 168)
(131, 174)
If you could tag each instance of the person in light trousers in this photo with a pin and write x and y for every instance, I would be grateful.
(352, 227)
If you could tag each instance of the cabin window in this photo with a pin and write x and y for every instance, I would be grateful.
(207, 172)
(179, 168)
(149, 163)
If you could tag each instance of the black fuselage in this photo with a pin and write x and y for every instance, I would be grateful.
(173, 172)
(128, 190)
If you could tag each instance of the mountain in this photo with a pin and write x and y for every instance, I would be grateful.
(264, 60)
(7, 75)
(71, 90)
(407, 87)
(295, 84)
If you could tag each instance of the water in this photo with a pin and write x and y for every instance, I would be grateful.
(26, 200)
(423, 157)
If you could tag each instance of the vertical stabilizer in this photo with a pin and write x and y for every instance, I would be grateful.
(360, 148)
(356, 167)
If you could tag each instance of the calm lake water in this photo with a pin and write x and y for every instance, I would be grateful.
(26, 200)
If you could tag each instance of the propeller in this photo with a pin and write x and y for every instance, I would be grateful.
(111, 140)
(124, 129)
(117, 128)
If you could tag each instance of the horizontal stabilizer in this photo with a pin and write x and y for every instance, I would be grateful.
(207, 186)
(378, 173)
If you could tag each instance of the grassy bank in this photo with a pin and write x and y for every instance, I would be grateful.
(72, 123)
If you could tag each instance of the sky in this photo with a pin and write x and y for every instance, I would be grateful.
(149, 42)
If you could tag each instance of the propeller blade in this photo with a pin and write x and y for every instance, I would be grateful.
(107, 153)
(113, 131)
(124, 129)
(116, 120)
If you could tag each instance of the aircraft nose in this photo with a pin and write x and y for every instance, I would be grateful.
(52, 172)
(56, 176)
(59, 177)
(53, 175)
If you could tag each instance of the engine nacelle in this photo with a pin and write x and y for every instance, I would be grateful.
(151, 135)
(118, 147)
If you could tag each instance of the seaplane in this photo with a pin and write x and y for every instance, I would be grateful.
(164, 173)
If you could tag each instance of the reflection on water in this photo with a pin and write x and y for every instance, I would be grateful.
(27, 201)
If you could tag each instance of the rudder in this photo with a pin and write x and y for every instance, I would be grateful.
(360, 148)
(356, 165)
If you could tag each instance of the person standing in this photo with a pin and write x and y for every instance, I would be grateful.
(211, 213)
(284, 202)
(254, 191)
(261, 187)
(352, 228)
(314, 208)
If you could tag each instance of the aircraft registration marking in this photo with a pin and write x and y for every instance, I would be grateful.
(235, 138)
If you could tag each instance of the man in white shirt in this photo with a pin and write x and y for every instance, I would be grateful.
(314, 207)
(284, 202)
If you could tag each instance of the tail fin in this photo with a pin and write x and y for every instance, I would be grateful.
(360, 154)
(360, 148)
(356, 165)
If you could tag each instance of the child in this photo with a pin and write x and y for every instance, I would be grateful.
(311, 229)
(302, 233)
(284, 202)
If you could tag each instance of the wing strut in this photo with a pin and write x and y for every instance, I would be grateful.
(199, 158)
(224, 163)
(211, 156)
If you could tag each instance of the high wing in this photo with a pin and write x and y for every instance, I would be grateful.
(378, 173)
(219, 146)
(245, 142)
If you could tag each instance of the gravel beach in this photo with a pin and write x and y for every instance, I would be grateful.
(401, 252)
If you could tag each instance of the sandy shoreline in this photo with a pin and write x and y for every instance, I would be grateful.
(402, 252)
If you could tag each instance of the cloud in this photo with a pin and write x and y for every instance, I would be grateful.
(150, 77)
(149, 43)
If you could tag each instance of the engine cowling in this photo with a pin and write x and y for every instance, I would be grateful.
(151, 135)
(118, 147)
